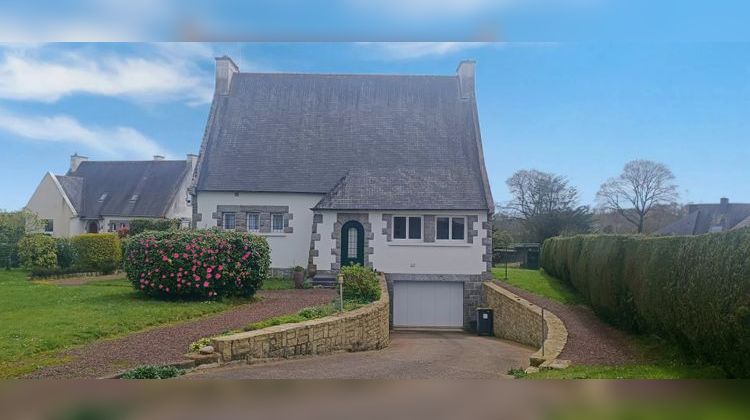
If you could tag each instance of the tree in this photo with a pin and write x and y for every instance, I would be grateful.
(546, 205)
(642, 185)
(13, 227)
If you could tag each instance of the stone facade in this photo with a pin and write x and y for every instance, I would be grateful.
(264, 216)
(519, 320)
(314, 237)
(363, 329)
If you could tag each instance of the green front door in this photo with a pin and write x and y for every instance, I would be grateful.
(352, 243)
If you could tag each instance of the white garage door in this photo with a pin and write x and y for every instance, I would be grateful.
(428, 304)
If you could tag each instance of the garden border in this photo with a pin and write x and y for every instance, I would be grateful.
(362, 329)
(519, 320)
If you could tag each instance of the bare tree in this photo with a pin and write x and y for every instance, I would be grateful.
(642, 185)
(546, 204)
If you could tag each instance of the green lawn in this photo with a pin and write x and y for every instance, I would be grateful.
(537, 282)
(277, 283)
(38, 320)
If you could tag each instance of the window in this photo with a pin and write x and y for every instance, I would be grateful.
(102, 197)
(112, 227)
(407, 227)
(229, 221)
(277, 222)
(134, 198)
(352, 251)
(253, 222)
(450, 228)
(49, 226)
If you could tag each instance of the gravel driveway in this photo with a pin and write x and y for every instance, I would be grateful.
(168, 344)
(591, 341)
(411, 355)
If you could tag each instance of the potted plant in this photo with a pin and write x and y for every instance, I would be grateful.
(298, 275)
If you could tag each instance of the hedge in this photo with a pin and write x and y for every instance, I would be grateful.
(694, 290)
(202, 264)
(360, 284)
(37, 251)
(97, 251)
(138, 226)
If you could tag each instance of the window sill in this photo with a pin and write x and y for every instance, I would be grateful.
(270, 234)
(445, 244)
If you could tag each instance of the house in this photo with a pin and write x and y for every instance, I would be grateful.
(709, 218)
(97, 196)
(386, 171)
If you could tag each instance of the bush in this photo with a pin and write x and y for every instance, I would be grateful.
(66, 253)
(98, 252)
(138, 226)
(153, 372)
(360, 284)
(693, 290)
(195, 346)
(37, 251)
(204, 264)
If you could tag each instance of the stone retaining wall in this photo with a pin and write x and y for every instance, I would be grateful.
(519, 320)
(363, 329)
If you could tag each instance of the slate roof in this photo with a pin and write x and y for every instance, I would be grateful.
(367, 141)
(106, 188)
(701, 218)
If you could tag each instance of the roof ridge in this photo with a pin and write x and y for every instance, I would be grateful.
(440, 76)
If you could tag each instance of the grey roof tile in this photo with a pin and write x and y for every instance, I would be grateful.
(107, 188)
(702, 217)
(400, 141)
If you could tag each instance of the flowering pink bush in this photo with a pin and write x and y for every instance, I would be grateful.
(202, 264)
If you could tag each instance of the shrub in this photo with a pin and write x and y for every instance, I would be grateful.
(204, 264)
(152, 372)
(360, 284)
(37, 251)
(138, 226)
(694, 291)
(195, 346)
(66, 253)
(98, 252)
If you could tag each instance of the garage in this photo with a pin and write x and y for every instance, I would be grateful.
(436, 304)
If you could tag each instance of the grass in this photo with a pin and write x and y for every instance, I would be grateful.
(277, 283)
(539, 283)
(39, 320)
(305, 314)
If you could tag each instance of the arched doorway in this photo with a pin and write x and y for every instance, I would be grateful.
(352, 243)
(93, 227)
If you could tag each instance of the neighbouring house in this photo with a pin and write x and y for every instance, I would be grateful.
(103, 196)
(386, 171)
(709, 218)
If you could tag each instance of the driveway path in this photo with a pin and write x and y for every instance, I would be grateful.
(169, 343)
(411, 355)
(591, 341)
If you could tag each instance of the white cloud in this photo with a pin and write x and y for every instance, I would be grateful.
(33, 75)
(407, 50)
(115, 142)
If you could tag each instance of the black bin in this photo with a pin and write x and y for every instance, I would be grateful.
(484, 321)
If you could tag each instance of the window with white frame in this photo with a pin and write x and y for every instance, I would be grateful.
(407, 227)
(49, 225)
(112, 226)
(450, 228)
(352, 236)
(229, 221)
(253, 222)
(277, 222)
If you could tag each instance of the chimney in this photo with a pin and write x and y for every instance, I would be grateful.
(724, 205)
(75, 161)
(225, 70)
(466, 71)
(192, 160)
(158, 157)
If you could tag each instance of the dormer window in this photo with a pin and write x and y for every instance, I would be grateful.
(103, 197)
(134, 198)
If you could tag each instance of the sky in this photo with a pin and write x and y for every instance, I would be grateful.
(563, 96)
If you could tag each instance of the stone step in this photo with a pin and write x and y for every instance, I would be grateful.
(326, 281)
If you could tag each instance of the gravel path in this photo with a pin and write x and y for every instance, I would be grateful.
(168, 344)
(591, 341)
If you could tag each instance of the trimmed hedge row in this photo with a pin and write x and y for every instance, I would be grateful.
(202, 264)
(138, 226)
(693, 290)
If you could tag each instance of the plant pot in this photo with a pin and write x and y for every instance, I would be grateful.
(299, 279)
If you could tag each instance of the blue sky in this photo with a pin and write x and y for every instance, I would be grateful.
(575, 87)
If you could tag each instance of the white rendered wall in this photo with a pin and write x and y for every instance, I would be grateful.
(48, 202)
(412, 257)
(287, 249)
